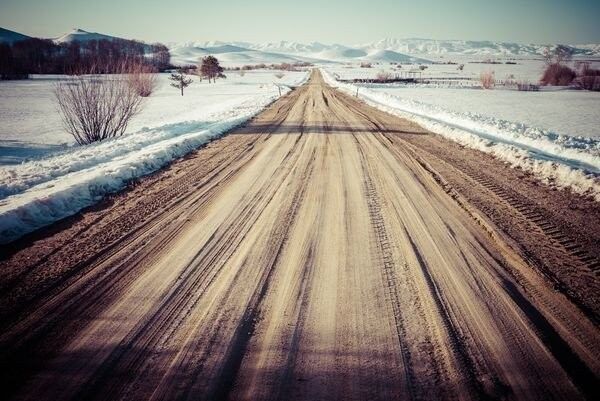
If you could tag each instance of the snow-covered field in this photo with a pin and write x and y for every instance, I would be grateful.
(525, 69)
(55, 178)
(567, 112)
(540, 132)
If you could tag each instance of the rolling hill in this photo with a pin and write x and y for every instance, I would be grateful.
(8, 36)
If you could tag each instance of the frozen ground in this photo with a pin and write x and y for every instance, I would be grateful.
(60, 179)
(509, 125)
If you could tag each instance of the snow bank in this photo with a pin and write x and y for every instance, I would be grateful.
(560, 160)
(38, 193)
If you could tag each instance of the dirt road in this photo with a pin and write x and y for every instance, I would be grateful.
(324, 251)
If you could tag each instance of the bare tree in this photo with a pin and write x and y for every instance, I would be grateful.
(180, 80)
(383, 76)
(487, 79)
(460, 67)
(96, 106)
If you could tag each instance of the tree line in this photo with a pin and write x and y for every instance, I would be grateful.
(43, 56)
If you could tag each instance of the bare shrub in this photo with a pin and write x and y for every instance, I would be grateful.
(383, 76)
(589, 78)
(589, 82)
(558, 75)
(142, 78)
(96, 106)
(279, 75)
(487, 79)
(460, 67)
(366, 65)
(422, 67)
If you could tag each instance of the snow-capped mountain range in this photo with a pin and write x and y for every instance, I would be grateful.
(413, 46)
(412, 50)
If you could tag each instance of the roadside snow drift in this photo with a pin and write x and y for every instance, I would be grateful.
(39, 192)
(560, 160)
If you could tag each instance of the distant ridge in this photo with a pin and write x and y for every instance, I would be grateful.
(390, 49)
(472, 47)
(8, 36)
(79, 35)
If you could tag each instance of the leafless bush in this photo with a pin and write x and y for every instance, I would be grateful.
(589, 78)
(487, 79)
(589, 82)
(96, 106)
(142, 78)
(383, 76)
(279, 75)
(558, 75)
(366, 65)
(423, 67)
(460, 67)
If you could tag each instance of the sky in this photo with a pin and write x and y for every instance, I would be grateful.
(327, 21)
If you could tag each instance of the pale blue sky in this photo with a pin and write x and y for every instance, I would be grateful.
(328, 21)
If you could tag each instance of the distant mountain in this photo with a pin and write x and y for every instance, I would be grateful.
(340, 53)
(7, 36)
(390, 56)
(228, 54)
(415, 46)
(79, 35)
(470, 47)
(412, 50)
(291, 47)
(239, 53)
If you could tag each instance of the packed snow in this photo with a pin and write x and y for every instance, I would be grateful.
(63, 179)
(557, 158)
